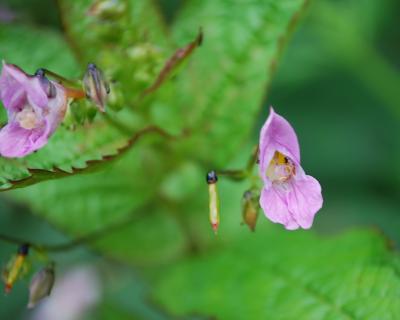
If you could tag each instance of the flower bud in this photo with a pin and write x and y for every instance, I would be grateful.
(41, 285)
(250, 209)
(107, 9)
(213, 200)
(95, 86)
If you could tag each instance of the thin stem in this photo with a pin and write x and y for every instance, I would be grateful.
(237, 175)
(59, 78)
(85, 239)
(253, 159)
(72, 89)
(75, 93)
(241, 174)
(13, 240)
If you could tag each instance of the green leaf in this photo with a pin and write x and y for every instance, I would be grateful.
(33, 48)
(129, 48)
(68, 151)
(66, 158)
(288, 275)
(221, 92)
(112, 204)
(156, 193)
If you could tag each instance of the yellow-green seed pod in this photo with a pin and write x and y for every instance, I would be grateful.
(15, 268)
(41, 285)
(213, 200)
(250, 209)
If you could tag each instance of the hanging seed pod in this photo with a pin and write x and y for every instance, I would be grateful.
(41, 285)
(250, 209)
(213, 200)
(15, 267)
(96, 87)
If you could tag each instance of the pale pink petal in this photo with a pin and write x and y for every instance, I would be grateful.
(17, 142)
(273, 203)
(304, 200)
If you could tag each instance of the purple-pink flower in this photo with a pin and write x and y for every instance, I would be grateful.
(289, 196)
(35, 107)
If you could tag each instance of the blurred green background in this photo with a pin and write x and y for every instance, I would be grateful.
(338, 83)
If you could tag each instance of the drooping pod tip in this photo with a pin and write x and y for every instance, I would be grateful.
(215, 226)
(7, 288)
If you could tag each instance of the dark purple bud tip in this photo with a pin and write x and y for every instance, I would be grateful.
(23, 250)
(48, 86)
(92, 66)
(40, 73)
(211, 177)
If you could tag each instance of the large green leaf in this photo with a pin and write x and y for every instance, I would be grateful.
(221, 92)
(112, 203)
(216, 96)
(288, 275)
(69, 151)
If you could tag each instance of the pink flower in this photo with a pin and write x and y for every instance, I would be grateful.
(289, 196)
(35, 107)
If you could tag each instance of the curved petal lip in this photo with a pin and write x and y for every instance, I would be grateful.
(17, 142)
(276, 209)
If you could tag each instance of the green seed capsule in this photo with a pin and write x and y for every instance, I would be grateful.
(41, 285)
(96, 87)
(250, 208)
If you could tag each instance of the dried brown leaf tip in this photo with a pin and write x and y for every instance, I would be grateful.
(174, 62)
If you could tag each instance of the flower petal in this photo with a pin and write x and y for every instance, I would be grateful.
(273, 202)
(12, 89)
(277, 135)
(36, 93)
(304, 200)
(17, 142)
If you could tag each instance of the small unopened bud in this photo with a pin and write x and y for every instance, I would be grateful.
(250, 209)
(96, 87)
(213, 199)
(107, 9)
(41, 285)
(46, 83)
